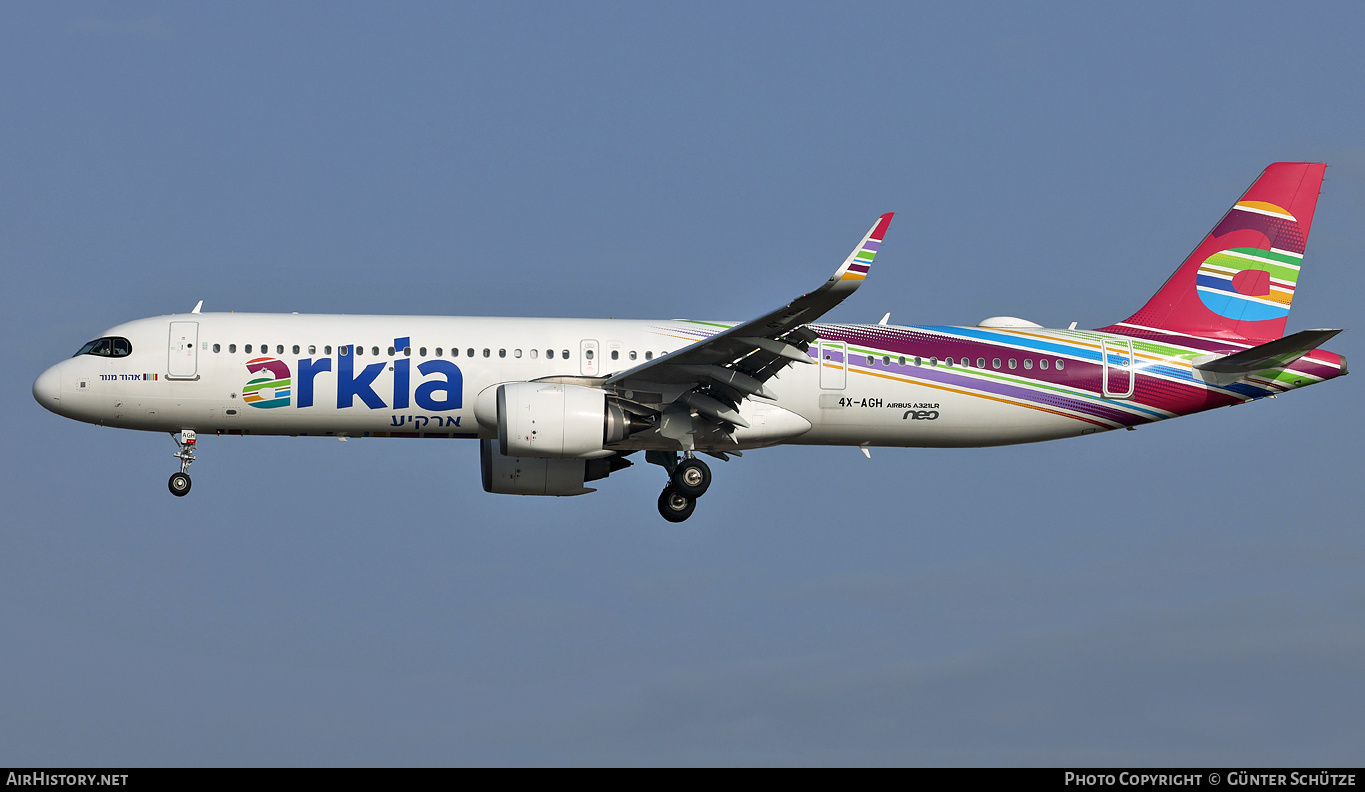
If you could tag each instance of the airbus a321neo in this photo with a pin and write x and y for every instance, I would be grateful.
(558, 403)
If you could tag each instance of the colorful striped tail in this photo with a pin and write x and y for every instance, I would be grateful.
(1239, 283)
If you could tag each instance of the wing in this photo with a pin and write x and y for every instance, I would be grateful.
(712, 376)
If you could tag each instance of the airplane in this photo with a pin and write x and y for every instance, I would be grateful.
(558, 403)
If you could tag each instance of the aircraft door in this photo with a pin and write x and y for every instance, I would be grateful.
(833, 364)
(184, 351)
(1119, 376)
(587, 354)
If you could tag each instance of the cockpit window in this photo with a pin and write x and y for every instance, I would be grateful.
(108, 346)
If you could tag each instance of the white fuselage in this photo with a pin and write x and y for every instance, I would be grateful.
(346, 377)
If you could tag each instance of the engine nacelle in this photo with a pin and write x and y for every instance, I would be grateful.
(555, 420)
(508, 475)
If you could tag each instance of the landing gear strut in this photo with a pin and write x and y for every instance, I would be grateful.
(180, 482)
(688, 479)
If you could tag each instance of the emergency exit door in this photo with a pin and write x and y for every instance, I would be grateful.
(1118, 368)
(833, 364)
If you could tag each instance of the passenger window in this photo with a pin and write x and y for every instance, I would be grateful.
(502, 353)
(632, 354)
(1014, 363)
(391, 351)
(232, 347)
(359, 350)
(933, 361)
(438, 351)
(550, 354)
(327, 350)
(516, 353)
(312, 349)
(247, 349)
(587, 353)
(421, 351)
(216, 348)
(1061, 364)
(649, 356)
(948, 362)
(296, 349)
(615, 354)
(487, 352)
(407, 351)
(917, 360)
(980, 362)
(902, 360)
(995, 363)
(1042, 364)
(534, 352)
(343, 351)
(566, 354)
(374, 351)
(279, 349)
(1028, 364)
(469, 352)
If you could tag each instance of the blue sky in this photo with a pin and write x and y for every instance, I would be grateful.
(1185, 594)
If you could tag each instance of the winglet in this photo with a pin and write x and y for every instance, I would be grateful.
(856, 266)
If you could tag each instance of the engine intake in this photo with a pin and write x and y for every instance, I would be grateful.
(555, 420)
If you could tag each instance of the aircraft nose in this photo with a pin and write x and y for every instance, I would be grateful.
(47, 389)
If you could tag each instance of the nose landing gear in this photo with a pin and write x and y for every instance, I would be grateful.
(180, 482)
(688, 480)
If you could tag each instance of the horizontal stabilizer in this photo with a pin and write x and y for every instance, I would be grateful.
(1272, 354)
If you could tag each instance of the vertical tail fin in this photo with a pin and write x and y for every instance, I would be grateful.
(1239, 283)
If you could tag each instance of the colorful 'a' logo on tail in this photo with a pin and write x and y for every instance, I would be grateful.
(1251, 284)
(1239, 283)
(270, 390)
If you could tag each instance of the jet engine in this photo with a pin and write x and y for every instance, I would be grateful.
(508, 475)
(556, 420)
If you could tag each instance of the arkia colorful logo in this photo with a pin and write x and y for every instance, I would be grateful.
(1252, 284)
(272, 388)
(440, 390)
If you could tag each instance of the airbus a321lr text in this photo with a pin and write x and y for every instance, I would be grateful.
(558, 403)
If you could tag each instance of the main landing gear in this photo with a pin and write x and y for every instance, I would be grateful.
(688, 479)
(180, 482)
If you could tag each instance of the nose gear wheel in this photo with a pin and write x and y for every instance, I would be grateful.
(185, 442)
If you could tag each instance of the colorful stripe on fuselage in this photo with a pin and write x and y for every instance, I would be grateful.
(1165, 383)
